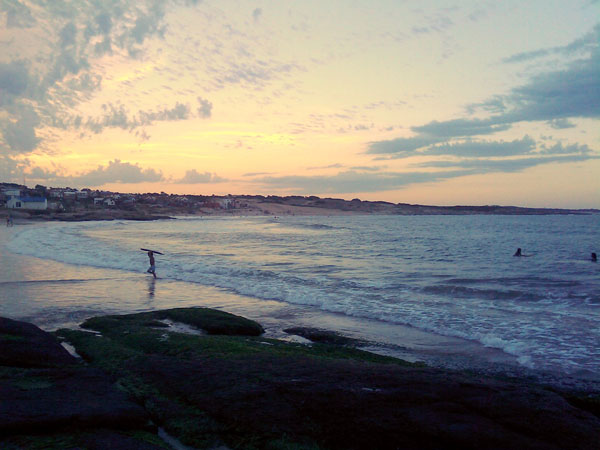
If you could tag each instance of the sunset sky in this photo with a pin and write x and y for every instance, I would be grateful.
(431, 102)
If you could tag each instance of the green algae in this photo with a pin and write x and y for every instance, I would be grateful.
(210, 320)
(133, 347)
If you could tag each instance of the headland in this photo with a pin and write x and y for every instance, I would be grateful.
(67, 204)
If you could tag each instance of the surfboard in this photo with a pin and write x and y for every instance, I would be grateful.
(153, 251)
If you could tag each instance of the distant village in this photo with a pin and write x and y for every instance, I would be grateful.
(46, 200)
(65, 203)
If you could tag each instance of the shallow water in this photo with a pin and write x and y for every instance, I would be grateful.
(453, 276)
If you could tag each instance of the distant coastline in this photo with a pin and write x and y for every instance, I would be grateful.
(67, 204)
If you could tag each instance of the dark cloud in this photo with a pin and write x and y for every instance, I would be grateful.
(587, 43)
(118, 116)
(194, 177)
(117, 172)
(255, 174)
(330, 166)
(460, 128)
(19, 135)
(68, 35)
(353, 181)
(14, 80)
(484, 148)
(479, 166)
(367, 168)
(402, 147)
(17, 14)
(104, 23)
(561, 149)
(553, 97)
(11, 169)
(570, 93)
(205, 109)
(560, 124)
(84, 29)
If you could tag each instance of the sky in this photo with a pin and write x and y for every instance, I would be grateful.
(431, 102)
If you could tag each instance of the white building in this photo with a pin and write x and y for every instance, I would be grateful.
(27, 203)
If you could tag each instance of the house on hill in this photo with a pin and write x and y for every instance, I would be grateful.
(37, 203)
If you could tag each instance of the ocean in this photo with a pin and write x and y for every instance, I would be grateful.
(453, 277)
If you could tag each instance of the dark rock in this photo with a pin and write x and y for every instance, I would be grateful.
(322, 336)
(44, 400)
(347, 405)
(25, 345)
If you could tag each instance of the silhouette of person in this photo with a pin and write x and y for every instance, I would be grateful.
(594, 257)
(152, 268)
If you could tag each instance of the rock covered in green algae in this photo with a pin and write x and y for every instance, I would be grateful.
(235, 390)
(210, 320)
(49, 400)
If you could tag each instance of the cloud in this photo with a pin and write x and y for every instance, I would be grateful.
(586, 43)
(18, 15)
(11, 169)
(205, 109)
(330, 166)
(484, 148)
(460, 128)
(553, 97)
(193, 177)
(254, 72)
(560, 124)
(479, 166)
(114, 172)
(59, 76)
(559, 148)
(118, 116)
(353, 181)
(402, 147)
(570, 93)
(14, 80)
(255, 174)
(19, 135)
(117, 172)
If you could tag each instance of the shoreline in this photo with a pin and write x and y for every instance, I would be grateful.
(82, 292)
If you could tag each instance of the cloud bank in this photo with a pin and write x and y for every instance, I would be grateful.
(39, 91)
(554, 97)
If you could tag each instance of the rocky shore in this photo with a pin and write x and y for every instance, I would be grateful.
(208, 379)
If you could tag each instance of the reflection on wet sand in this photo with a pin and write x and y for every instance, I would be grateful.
(151, 288)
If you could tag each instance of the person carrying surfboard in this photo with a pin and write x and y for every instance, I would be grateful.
(152, 268)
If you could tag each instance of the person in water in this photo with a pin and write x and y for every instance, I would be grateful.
(518, 252)
(152, 268)
(594, 257)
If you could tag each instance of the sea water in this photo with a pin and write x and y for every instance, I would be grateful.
(450, 275)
